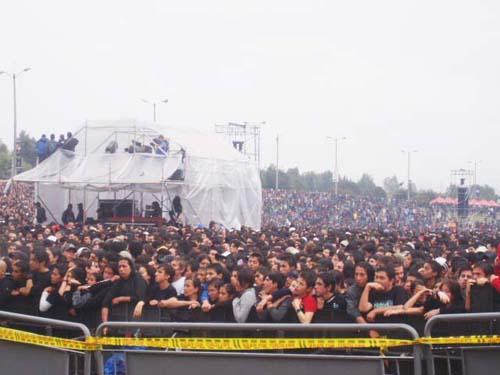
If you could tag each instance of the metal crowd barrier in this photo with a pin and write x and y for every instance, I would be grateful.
(20, 358)
(464, 360)
(139, 360)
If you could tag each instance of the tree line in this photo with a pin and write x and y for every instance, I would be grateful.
(293, 179)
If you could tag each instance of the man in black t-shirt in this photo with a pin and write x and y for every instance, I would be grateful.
(162, 293)
(40, 274)
(332, 306)
(381, 295)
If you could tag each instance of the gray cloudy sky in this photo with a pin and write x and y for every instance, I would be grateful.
(387, 75)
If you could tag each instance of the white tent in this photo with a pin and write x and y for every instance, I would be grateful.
(118, 160)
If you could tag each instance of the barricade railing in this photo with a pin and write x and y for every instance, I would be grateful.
(459, 359)
(280, 331)
(83, 331)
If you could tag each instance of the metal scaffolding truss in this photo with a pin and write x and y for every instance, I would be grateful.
(243, 136)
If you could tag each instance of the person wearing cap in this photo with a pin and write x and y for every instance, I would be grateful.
(69, 251)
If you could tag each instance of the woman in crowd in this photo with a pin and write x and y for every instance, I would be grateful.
(127, 291)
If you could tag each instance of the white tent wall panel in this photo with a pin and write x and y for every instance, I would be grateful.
(219, 184)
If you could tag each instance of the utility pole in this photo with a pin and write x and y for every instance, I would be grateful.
(14, 93)
(409, 152)
(276, 185)
(336, 166)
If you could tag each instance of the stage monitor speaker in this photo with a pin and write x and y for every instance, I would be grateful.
(463, 201)
(109, 208)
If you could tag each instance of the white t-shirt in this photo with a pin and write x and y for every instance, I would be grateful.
(179, 285)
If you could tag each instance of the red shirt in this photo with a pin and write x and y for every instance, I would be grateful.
(309, 304)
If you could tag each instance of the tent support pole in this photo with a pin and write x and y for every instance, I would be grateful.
(133, 207)
(86, 126)
(48, 210)
(84, 202)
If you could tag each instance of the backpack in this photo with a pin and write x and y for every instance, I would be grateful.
(115, 365)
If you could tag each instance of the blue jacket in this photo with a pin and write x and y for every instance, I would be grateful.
(41, 147)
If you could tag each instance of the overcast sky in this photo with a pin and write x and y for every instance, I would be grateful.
(388, 75)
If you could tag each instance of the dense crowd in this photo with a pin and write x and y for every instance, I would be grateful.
(287, 207)
(354, 263)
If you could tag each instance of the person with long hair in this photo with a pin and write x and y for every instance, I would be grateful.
(129, 289)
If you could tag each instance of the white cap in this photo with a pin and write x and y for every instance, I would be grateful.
(442, 262)
(81, 250)
(125, 254)
(411, 244)
(481, 249)
(344, 243)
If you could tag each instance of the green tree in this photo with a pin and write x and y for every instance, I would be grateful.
(366, 185)
(28, 148)
(325, 181)
(295, 179)
(392, 185)
(5, 161)
(425, 196)
(348, 187)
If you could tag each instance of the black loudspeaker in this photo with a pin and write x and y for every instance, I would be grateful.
(238, 145)
(109, 208)
(463, 202)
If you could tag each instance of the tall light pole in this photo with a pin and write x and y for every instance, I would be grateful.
(336, 166)
(14, 150)
(154, 104)
(276, 184)
(409, 152)
(475, 163)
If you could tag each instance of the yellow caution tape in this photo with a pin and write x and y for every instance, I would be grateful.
(464, 340)
(233, 344)
(14, 335)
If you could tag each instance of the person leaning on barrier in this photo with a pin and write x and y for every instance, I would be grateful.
(20, 300)
(304, 305)
(188, 305)
(40, 274)
(363, 274)
(222, 310)
(163, 294)
(332, 306)
(480, 296)
(6, 284)
(52, 304)
(271, 307)
(214, 272)
(130, 288)
(380, 296)
(244, 304)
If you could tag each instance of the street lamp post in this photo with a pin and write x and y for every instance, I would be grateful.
(154, 104)
(14, 150)
(475, 163)
(276, 184)
(409, 152)
(336, 166)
